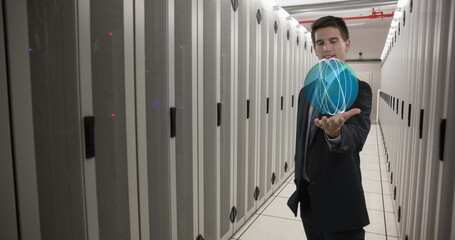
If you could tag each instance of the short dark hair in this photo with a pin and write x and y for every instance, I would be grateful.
(330, 21)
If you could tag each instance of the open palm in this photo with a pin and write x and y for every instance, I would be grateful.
(332, 125)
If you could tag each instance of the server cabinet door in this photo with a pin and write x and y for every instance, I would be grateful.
(292, 77)
(261, 93)
(42, 59)
(267, 33)
(279, 167)
(186, 118)
(242, 109)
(284, 81)
(285, 91)
(271, 104)
(208, 128)
(8, 218)
(420, 46)
(154, 48)
(253, 106)
(227, 88)
(112, 91)
(446, 218)
(437, 109)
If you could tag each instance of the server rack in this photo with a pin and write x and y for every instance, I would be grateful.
(414, 114)
(168, 119)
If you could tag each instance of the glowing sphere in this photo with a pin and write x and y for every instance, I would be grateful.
(331, 86)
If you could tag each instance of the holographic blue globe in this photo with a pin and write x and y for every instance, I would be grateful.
(331, 86)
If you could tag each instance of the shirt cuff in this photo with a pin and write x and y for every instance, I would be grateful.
(333, 143)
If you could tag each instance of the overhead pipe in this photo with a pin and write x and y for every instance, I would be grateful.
(374, 15)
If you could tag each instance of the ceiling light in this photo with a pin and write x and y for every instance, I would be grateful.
(355, 24)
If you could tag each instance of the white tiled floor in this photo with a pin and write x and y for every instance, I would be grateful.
(273, 220)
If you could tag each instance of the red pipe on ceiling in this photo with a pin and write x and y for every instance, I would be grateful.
(374, 15)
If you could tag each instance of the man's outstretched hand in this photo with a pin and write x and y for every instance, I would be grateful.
(332, 125)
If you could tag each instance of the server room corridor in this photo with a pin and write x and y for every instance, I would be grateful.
(273, 220)
(182, 119)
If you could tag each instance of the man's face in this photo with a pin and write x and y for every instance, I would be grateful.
(330, 44)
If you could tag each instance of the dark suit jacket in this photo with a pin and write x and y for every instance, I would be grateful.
(333, 199)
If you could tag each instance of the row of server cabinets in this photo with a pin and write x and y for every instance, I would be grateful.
(417, 118)
(146, 119)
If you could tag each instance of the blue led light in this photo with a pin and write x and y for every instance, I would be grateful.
(156, 103)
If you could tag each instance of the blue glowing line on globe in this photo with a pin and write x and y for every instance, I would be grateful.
(331, 86)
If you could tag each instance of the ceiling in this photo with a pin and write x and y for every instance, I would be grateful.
(304, 10)
(362, 29)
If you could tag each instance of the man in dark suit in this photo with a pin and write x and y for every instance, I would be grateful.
(327, 162)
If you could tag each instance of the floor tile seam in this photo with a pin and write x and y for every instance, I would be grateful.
(274, 196)
(388, 211)
(371, 179)
(377, 193)
(375, 233)
(284, 218)
(363, 160)
(281, 196)
(389, 235)
(377, 210)
(371, 169)
(283, 186)
(365, 191)
(373, 209)
(285, 182)
(248, 227)
(382, 188)
(266, 206)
